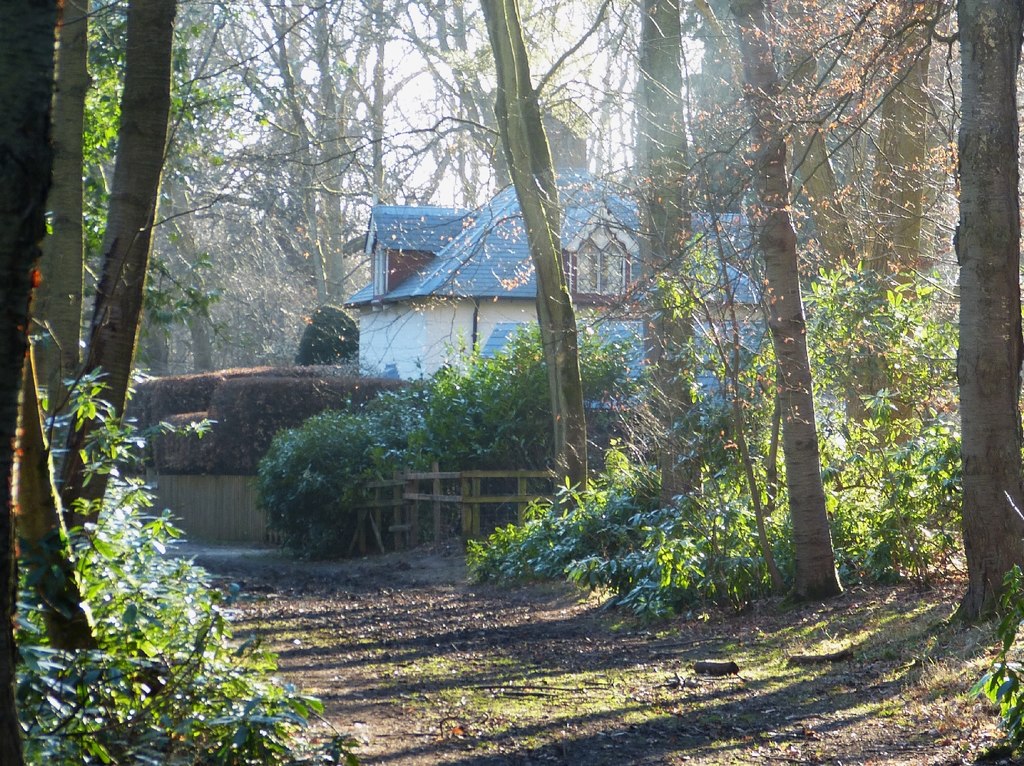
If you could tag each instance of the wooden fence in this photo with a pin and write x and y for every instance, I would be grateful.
(401, 512)
(448, 503)
(221, 509)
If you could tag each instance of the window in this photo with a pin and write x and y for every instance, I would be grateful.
(601, 271)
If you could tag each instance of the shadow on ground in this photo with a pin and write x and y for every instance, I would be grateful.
(426, 668)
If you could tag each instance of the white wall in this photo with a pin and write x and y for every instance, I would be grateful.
(493, 312)
(414, 340)
(390, 335)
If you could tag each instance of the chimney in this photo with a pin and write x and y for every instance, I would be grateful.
(568, 150)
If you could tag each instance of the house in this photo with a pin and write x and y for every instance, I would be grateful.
(446, 279)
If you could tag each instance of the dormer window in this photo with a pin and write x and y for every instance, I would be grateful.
(601, 270)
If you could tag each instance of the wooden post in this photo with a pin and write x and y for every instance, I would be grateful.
(412, 514)
(521, 487)
(476, 507)
(437, 503)
(396, 504)
(406, 511)
(467, 508)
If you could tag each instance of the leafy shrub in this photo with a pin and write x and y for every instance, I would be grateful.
(614, 537)
(331, 337)
(896, 507)
(490, 413)
(168, 682)
(496, 412)
(310, 481)
(891, 463)
(884, 356)
(1004, 683)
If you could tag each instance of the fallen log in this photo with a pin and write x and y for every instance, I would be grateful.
(713, 668)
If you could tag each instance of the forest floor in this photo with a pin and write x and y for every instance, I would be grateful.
(421, 666)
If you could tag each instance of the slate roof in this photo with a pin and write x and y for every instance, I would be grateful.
(425, 228)
(484, 254)
(730, 233)
(489, 256)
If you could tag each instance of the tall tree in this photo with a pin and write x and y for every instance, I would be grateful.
(57, 319)
(58, 301)
(991, 346)
(142, 136)
(529, 160)
(43, 546)
(26, 81)
(900, 185)
(816, 575)
(662, 150)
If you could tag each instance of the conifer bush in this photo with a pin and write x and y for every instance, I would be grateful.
(331, 337)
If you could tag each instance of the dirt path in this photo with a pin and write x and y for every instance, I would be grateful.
(424, 668)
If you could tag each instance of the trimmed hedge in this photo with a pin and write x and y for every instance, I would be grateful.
(250, 411)
(183, 452)
(248, 407)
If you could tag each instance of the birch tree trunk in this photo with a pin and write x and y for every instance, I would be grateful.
(529, 160)
(988, 248)
(135, 190)
(26, 81)
(816, 576)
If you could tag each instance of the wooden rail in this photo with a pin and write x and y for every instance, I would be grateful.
(397, 502)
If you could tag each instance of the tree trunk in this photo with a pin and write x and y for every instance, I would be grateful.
(812, 542)
(305, 211)
(135, 190)
(332, 135)
(202, 345)
(42, 539)
(377, 105)
(156, 348)
(57, 307)
(812, 167)
(899, 185)
(529, 159)
(662, 148)
(26, 82)
(988, 249)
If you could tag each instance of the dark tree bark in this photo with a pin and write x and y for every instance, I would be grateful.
(988, 249)
(816, 575)
(26, 82)
(202, 345)
(142, 136)
(529, 159)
